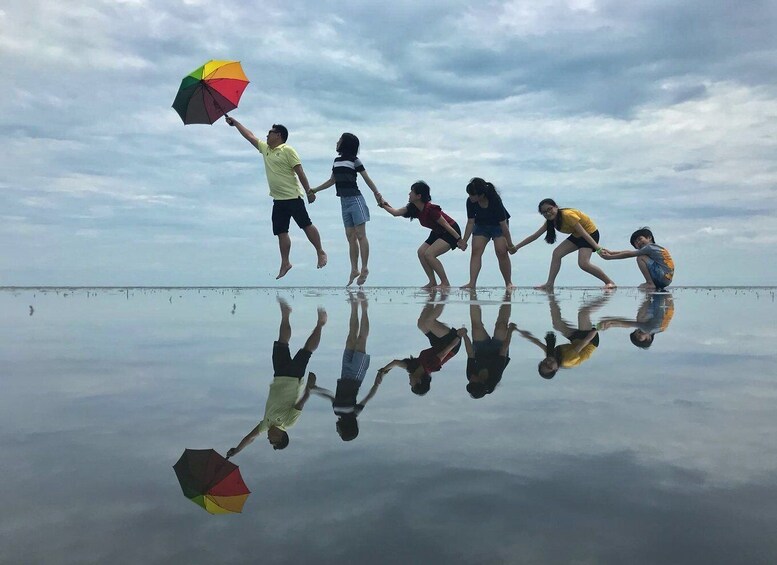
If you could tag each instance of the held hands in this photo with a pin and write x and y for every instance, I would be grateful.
(461, 332)
(512, 249)
(461, 244)
(311, 194)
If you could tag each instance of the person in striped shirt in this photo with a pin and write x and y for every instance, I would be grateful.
(356, 214)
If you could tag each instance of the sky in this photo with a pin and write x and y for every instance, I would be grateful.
(652, 113)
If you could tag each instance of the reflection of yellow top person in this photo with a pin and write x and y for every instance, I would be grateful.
(283, 407)
(583, 339)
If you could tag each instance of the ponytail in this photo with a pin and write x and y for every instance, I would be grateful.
(550, 344)
(550, 225)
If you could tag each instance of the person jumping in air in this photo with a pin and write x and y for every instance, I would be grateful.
(487, 219)
(654, 262)
(356, 214)
(283, 167)
(445, 234)
(584, 239)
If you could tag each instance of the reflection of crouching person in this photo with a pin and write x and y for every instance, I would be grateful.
(284, 403)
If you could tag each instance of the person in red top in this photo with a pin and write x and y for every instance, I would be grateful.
(445, 343)
(445, 234)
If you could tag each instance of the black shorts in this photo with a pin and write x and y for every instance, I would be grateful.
(284, 366)
(284, 210)
(440, 343)
(580, 242)
(445, 236)
(579, 335)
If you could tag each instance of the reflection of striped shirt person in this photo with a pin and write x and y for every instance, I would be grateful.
(344, 170)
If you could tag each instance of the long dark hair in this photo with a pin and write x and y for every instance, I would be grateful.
(551, 351)
(479, 187)
(550, 225)
(349, 145)
(411, 365)
(421, 189)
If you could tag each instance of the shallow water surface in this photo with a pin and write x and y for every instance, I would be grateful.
(628, 454)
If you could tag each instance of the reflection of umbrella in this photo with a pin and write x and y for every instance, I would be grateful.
(211, 481)
(210, 92)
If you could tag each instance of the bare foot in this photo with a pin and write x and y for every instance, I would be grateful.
(468, 286)
(284, 269)
(363, 276)
(352, 277)
(509, 286)
(322, 317)
(546, 287)
(321, 260)
(612, 285)
(429, 285)
(647, 286)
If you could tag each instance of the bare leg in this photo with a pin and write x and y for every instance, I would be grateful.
(284, 330)
(353, 325)
(284, 244)
(476, 260)
(479, 332)
(502, 322)
(431, 255)
(564, 248)
(313, 237)
(503, 258)
(584, 262)
(643, 268)
(364, 328)
(353, 254)
(364, 252)
(315, 336)
(426, 266)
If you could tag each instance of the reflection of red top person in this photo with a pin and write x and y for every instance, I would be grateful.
(445, 234)
(283, 167)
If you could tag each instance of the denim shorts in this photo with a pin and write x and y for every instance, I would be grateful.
(658, 274)
(355, 365)
(489, 232)
(355, 211)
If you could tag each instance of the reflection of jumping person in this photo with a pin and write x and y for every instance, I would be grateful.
(284, 404)
(487, 219)
(487, 357)
(355, 365)
(584, 240)
(281, 164)
(355, 212)
(653, 317)
(445, 343)
(445, 234)
(583, 339)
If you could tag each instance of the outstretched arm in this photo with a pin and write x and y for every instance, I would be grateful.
(463, 334)
(506, 232)
(246, 440)
(529, 337)
(449, 228)
(532, 237)
(244, 131)
(580, 231)
(373, 389)
(325, 185)
(373, 188)
(467, 232)
(393, 211)
(605, 254)
(303, 179)
(308, 387)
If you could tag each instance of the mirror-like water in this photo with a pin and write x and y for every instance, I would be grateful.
(628, 454)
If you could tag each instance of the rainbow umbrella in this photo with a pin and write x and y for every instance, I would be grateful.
(209, 480)
(210, 92)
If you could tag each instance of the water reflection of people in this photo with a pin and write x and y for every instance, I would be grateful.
(445, 343)
(583, 339)
(487, 356)
(653, 317)
(356, 361)
(284, 403)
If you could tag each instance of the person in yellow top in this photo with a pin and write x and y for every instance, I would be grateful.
(284, 403)
(282, 166)
(583, 339)
(584, 239)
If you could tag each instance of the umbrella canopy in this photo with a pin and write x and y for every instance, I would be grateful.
(210, 92)
(209, 480)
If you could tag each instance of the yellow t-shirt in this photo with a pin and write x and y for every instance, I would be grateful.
(571, 217)
(571, 358)
(279, 166)
(279, 410)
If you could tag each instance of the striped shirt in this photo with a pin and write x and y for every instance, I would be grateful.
(344, 170)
